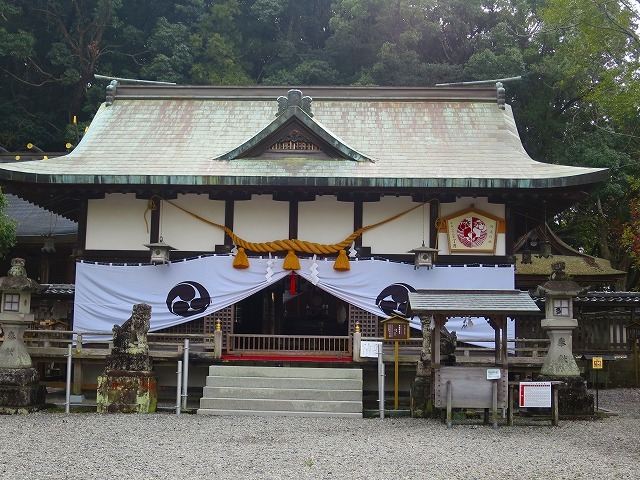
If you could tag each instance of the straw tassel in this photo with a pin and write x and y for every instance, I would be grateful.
(241, 261)
(291, 261)
(342, 262)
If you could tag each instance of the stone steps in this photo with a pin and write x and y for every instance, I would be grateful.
(286, 391)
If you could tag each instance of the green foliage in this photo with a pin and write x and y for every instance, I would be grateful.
(7, 229)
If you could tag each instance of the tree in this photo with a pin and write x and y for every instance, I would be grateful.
(590, 61)
(7, 229)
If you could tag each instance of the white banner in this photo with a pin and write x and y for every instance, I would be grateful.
(182, 291)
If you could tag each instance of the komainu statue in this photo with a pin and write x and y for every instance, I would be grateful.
(128, 384)
(448, 342)
(131, 336)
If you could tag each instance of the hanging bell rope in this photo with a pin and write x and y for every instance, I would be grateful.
(293, 245)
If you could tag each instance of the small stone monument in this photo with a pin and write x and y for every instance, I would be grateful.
(20, 389)
(128, 384)
(559, 364)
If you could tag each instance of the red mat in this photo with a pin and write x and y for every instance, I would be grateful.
(286, 358)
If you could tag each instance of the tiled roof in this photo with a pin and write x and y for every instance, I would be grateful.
(576, 265)
(469, 302)
(632, 298)
(58, 289)
(417, 138)
(33, 221)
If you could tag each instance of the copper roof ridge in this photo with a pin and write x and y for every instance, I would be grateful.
(203, 92)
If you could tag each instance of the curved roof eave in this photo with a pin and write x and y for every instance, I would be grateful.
(592, 177)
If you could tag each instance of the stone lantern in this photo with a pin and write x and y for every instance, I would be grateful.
(19, 381)
(559, 322)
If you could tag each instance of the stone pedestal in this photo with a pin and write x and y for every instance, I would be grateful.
(559, 361)
(128, 384)
(421, 394)
(127, 392)
(20, 390)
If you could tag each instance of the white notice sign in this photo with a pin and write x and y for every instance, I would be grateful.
(535, 394)
(369, 349)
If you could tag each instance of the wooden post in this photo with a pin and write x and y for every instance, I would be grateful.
(496, 342)
(554, 405)
(494, 403)
(512, 392)
(357, 342)
(504, 352)
(217, 340)
(397, 359)
(77, 376)
(436, 340)
(449, 399)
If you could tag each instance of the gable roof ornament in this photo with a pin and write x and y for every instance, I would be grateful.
(295, 132)
(294, 98)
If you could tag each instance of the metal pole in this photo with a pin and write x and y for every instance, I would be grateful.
(131, 80)
(67, 401)
(185, 374)
(597, 385)
(179, 387)
(380, 381)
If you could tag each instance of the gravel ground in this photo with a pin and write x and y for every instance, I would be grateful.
(165, 446)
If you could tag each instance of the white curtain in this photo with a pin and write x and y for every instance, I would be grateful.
(182, 291)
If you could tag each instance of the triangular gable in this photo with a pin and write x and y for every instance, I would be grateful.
(294, 134)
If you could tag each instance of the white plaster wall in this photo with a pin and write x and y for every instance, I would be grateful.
(116, 222)
(184, 232)
(480, 203)
(400, 235)
(261, 219)
(325, 220)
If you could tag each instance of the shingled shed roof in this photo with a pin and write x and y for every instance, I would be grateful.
(471, 302)
(378, 137)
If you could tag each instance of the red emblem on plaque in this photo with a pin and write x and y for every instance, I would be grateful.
(472, 232)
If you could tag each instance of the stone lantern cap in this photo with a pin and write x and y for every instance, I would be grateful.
(559, 284)
(17, 280)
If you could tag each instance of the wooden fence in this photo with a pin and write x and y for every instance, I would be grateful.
(316, 345)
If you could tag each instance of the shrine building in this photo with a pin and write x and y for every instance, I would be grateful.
(276, 212)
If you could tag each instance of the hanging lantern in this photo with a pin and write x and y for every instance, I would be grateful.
(424, 257)
(159, 252)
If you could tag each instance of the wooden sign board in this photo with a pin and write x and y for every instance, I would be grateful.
(472, 231)
(396, 328)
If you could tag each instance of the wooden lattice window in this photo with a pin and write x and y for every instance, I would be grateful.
(11, 302)
(293, 140)
(226, 319)
(369, 323)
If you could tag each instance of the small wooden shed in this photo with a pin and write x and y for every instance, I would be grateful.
(480, 387)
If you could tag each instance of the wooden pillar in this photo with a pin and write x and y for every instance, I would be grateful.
(434, 213)
(77, 376)
(496, 335)
(440, 321)
(504, 352)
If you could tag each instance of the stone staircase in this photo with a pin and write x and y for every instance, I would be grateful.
(286, 391)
